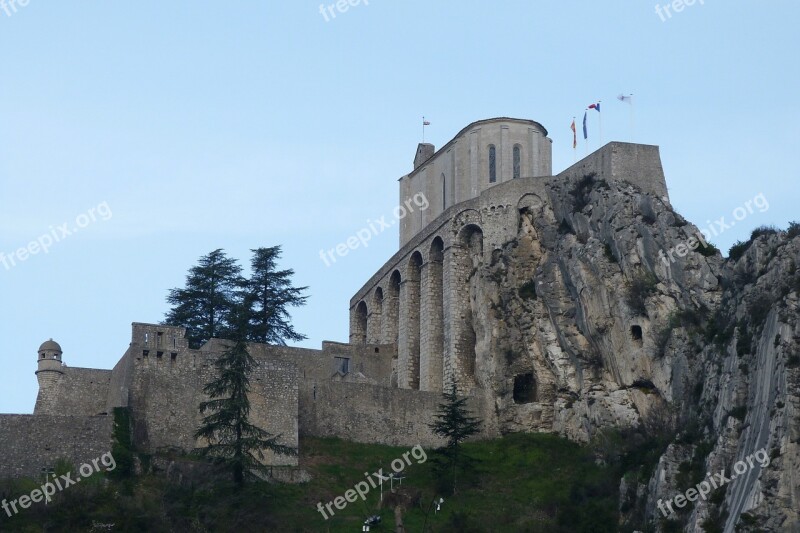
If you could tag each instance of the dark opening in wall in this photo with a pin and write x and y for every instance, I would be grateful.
(636, 333)
(145, 352)
(377, 350)
(159, 354)
(524, 388)
(342, 365)
(174, 355)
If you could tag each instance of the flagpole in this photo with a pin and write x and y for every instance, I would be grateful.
(423, 128)
(585, 130)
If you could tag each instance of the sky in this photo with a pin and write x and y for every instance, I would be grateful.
(164, 130)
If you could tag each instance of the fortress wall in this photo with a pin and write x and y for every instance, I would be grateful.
(637, 164)
(78, 392)
(32, 442)
(166, 394)
(121, 379)
(373, 361)
(436, 346)
(498, 205)
(366, 413)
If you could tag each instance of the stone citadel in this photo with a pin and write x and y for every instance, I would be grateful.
(417, 327)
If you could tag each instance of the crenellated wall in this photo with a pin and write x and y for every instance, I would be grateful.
(166, 392)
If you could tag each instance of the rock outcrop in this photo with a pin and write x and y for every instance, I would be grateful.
(609, 310)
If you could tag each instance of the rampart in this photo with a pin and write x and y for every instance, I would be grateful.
(32, 444)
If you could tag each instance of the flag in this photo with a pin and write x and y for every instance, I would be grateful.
(426, 123)
(623, 98)
(585, 131)
(595, 106)
(574, 135)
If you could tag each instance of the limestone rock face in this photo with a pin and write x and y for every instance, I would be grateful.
(603, 312)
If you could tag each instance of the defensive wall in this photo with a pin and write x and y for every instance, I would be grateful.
(31, 444)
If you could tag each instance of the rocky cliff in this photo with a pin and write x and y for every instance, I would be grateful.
(609, 321)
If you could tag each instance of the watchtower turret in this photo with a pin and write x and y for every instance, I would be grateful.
(50, 365)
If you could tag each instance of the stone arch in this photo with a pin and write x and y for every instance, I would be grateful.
(432, 348)
(468, 258)
(375, 318)
(530, 202)
(391, 309)
(471, 239)
(358, 327)
(410, 315)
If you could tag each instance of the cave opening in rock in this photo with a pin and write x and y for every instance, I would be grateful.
(636, 333)
(524, 388)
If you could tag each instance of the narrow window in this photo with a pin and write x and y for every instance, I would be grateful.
(517, 159)
(146, 339)
(492, 164)
(174, 355)
(444, 192)
(159, 339)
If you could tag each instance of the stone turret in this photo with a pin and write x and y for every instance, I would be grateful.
(50, 365)
(424, 152)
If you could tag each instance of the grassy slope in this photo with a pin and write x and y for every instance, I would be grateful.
(520, 483)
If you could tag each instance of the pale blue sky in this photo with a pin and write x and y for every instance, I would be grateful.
(235, 125)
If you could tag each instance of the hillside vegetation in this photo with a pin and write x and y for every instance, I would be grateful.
(518, 483)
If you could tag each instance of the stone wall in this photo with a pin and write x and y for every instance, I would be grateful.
(367, 363)
(31, 442)
(166, 393)
(638, 164)
(367, 413)
(459, 171)
(77, 392)
(121, 379)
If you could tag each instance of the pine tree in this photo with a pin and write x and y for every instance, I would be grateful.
(453, 423)
(232, 440)
(204, 306)
(270, 292)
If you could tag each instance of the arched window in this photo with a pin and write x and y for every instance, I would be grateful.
(517, 159)
(492, 164)
(444, 192)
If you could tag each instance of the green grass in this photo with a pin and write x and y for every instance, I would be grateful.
(519, 483)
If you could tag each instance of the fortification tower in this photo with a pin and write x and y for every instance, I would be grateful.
(50, 365)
